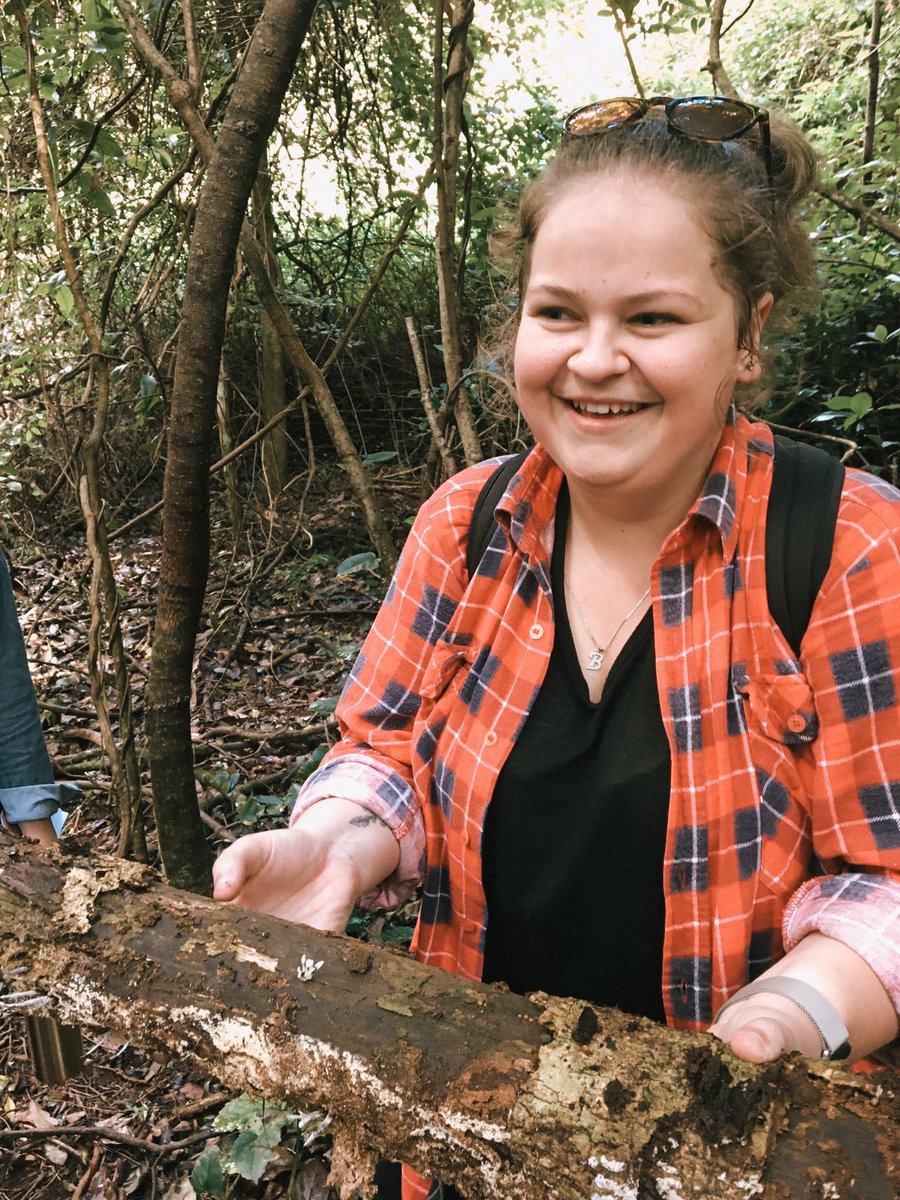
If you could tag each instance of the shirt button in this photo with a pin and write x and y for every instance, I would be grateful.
(490, 738)
(535, 632)
(465, 837)
(796, 723)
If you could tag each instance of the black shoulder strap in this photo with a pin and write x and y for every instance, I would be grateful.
(481, 525)
(803, 508)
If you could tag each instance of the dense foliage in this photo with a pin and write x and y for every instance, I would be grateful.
(352, 145)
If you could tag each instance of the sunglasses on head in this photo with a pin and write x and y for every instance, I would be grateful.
(703, 118)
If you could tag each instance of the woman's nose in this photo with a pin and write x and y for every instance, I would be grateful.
(599, 354)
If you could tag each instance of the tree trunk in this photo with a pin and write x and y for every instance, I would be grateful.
(272, 381)
(233, 500)
(449, 91)
(531, 1099)
(872, 93)
(184, 565)
(714, 65)
(313, 378)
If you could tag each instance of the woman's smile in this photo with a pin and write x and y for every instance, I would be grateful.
(608, 408)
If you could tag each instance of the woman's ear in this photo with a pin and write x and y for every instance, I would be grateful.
(761, 311)
(751, 366)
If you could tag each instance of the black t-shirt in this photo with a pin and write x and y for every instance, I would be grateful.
(575, 833)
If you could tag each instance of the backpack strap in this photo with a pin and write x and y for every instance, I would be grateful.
(803, 508)
(481, 526)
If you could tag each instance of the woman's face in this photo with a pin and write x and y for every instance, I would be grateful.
(626, 355)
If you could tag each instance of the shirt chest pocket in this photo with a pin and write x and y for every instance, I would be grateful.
(773, 834)
(446, 674)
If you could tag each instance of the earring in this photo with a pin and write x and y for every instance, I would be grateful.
(751, 363)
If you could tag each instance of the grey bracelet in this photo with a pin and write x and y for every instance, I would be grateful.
(831, 1029)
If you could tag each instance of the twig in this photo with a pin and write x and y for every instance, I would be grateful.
(89, 1173)
(110, 1135)
(814, 435)
(425, 395)
(223, 834)
(620, 29)
(870, 215)
(216, 1100)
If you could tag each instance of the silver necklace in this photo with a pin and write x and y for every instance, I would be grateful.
(595, 658)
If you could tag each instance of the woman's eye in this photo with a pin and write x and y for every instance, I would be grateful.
(553, 312)
(654, 318)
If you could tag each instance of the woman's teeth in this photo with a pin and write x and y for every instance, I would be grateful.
(606, 410)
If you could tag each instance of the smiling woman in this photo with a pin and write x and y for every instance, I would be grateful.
(597, 751)
(627, 351)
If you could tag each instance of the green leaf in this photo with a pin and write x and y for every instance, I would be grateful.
(380, 456)
(252, 1152)
(367, 561)
(323, 708)
(107, 145)
(207, 1177)
(879, 333)
(12, 68)
(100, 200)
(241, 1113)
(64, 298)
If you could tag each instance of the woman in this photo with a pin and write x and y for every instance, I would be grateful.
(599, 753)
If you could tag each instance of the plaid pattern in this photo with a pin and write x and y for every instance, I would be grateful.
(785, 774)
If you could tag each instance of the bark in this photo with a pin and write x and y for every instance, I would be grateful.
(621, 16)
(233, 499)
(272, 381)
(425, 394)
(449, 92)
(714, 65)
(531, 1099)
(871, 216)
(184, 565)
(872, 91)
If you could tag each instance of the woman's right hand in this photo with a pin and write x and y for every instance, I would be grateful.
(312, 872)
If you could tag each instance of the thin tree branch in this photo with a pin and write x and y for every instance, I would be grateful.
(425, 394)
(870, 215)
(720, 78)
(623, 37)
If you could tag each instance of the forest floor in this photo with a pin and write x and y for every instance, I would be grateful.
(285, 616)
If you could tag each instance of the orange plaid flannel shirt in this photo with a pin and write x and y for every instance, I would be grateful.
(784, 813)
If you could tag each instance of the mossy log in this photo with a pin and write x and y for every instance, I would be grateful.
(525, 1099)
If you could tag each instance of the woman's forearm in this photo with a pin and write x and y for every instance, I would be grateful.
(849, 983)
(765, 1025)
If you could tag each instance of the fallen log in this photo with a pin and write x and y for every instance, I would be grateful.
(537, 1099)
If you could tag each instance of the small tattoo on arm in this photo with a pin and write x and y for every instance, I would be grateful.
(367, 819)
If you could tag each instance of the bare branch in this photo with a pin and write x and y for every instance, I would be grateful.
(870, 215)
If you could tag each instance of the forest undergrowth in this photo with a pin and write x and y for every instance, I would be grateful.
(287, 608)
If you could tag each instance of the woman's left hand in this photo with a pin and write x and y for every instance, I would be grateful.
(765, 1026)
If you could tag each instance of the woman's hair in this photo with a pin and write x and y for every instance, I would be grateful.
(761, 246)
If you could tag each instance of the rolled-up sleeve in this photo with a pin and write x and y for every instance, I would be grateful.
(374, 763)
(860, 910)
(852, 658)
